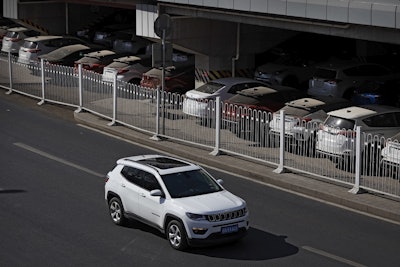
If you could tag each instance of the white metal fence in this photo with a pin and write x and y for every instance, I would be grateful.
(224, 128)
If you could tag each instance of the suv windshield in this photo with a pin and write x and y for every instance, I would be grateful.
(190, 183)
(340, 123)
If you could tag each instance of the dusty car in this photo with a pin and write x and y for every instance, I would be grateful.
(248, 113)
(336, 136)
(302, 119)
(128, 69)
(179, 78)
(197, 102)
(14, 39)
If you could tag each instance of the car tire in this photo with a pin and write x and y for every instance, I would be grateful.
(176, 235)
(116, 211)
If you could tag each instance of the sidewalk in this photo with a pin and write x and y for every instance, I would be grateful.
(323, 190)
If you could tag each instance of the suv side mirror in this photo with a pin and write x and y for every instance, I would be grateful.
(220, 181)
(156, 193)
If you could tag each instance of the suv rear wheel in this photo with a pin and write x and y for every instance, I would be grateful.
(116, 211)
(176, 235)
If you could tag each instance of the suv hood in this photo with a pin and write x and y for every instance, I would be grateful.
(210, 203)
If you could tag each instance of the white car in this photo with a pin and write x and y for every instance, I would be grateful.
(128, 69)
(14, 38)
(303, 116)
(336, 137)
(197, 101)
(177, 197)
(391, 154)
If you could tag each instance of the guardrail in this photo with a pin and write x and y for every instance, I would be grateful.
(230, 129)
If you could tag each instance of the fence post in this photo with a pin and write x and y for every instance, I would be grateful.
(10, 74)
(281, 166)
(356, 188)
(217, 118)
(156, 135)
(114, 112)
(43, 80)
(80, 89)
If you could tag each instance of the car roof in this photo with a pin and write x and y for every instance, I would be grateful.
(100, 53)
(18, 29)
(355, 112)
(257, 91)
(309, 102)
(42, 38)
(162, 164)
(65, 50)
(128, 59)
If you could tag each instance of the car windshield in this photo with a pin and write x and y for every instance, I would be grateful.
(190, 183)
(340, 123)
(210, 88)
(30, 45)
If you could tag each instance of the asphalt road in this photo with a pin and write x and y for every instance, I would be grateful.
(52, 209)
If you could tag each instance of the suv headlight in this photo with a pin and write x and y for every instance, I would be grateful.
(195, 217)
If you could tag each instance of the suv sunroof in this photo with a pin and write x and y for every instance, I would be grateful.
(163, 163)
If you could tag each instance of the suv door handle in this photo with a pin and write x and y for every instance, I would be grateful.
(142, 195)
(123, 185)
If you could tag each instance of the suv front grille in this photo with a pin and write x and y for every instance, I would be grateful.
(226, 215)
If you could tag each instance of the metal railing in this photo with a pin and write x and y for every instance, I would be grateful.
(246, 132)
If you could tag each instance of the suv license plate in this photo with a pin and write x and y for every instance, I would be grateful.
(229, 229)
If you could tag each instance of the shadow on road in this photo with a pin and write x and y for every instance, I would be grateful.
(256, 246)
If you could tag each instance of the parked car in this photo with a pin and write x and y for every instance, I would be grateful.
(378, 92)
(391, 156)
(340, 78)
(14, 38)
(179, 78)
(128, 69)
(197, 101)
(127, 41)
(288, 69)
(106, 35)
(302, 119)
(40, 45)
(97, 60)
(336, 137)
(248, 113)
(177, 197)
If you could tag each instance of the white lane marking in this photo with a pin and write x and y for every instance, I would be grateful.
(331, 256)
(248, 178)
(60, 160)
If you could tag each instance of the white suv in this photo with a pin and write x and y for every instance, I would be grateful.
(177, 197)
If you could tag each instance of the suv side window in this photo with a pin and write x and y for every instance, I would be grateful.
(140, 178)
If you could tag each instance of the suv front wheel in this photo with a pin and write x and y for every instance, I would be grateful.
(176, 235)
(116, 211)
